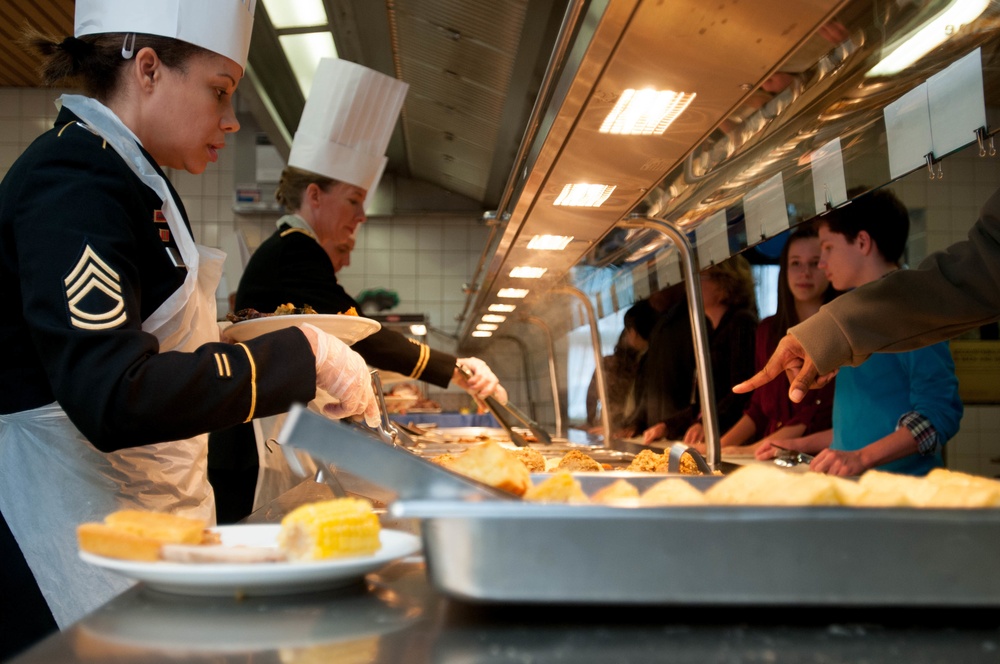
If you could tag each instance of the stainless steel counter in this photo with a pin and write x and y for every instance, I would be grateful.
(395, 616)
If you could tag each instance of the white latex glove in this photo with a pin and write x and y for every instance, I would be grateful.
(344, 374)
(483, 382)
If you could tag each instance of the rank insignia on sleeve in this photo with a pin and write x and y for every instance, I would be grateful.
(94, 294)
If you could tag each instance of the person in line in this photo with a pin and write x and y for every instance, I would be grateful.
(951, 292)
(621, 368)
(731, 308)
(336, 159)
(802, 289)
(896, 411)
(110, 344)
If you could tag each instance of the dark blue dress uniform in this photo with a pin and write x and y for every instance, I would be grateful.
(84, 258)
(290, 266)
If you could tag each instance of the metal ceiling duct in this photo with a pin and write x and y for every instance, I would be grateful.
(721, 52)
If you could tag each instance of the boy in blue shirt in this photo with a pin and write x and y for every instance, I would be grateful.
(897, 410)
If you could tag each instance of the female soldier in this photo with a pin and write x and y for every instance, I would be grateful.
(336, 159)
(110, 336)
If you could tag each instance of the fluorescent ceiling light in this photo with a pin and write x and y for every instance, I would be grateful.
(904, 52)
(550, 242)
(527, 272)
(507, 308)
(494, 318)
(418, 330)
(487, 326)
(645, 112)
(304, 51)
(481, 333)
(584, 195)
(512, 292)
(297, 14)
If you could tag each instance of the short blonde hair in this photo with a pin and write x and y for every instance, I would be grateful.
(294, 181)
(735, 278)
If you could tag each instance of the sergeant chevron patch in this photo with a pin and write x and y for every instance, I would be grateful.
(94, 294)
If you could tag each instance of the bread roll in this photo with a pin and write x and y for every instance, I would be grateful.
(619, 492)
(104, 540)
(138, 535)
(562, 487)
(671, 492)
(491, 464)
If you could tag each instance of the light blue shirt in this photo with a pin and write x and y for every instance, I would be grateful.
(869, 400)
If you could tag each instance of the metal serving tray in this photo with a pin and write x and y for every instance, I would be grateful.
(483, 545)
(582, 554)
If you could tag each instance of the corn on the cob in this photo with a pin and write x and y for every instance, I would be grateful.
(330, 528)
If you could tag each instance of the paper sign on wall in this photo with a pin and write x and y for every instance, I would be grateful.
(957, 104)
(765, 210)
(668, 271)
(936, 117)
(908, 131)
(829, 182)
(712, 241)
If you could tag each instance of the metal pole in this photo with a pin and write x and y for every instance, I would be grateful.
(699, 330)
(595, 338)
(553, 378)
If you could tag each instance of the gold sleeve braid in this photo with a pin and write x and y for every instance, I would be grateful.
(422, 359)
(253, 383)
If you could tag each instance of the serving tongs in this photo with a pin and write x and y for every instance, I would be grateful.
(398, 470)
(511, 418)
(787, 458)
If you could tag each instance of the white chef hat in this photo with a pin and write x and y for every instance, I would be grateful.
(347, 122)
(220, 26)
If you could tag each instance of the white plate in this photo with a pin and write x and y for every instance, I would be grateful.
(220, 579)
(346, 328)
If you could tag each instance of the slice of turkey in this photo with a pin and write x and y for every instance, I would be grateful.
(220, 553)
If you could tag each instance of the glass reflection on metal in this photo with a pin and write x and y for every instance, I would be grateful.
(903, 53)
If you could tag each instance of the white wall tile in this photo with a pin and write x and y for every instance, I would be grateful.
(404, 264)
(429, 237)
(10, 102)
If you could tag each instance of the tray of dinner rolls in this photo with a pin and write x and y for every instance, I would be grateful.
(760, 535)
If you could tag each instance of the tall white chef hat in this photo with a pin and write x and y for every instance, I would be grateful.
(347, 122)
(220, 26)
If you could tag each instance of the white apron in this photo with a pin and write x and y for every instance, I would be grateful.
(52, 478)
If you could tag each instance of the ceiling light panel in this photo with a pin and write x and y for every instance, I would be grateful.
(494, 318)
(481, 333)
(304, 51)
(298, 14)
(550, 242)
(489, 327)
(512, 292)
(645, 112)
(506, 308)
(584, 195)
(527, 272)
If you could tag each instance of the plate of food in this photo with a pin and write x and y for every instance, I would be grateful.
(240, 560)
(348, 326)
